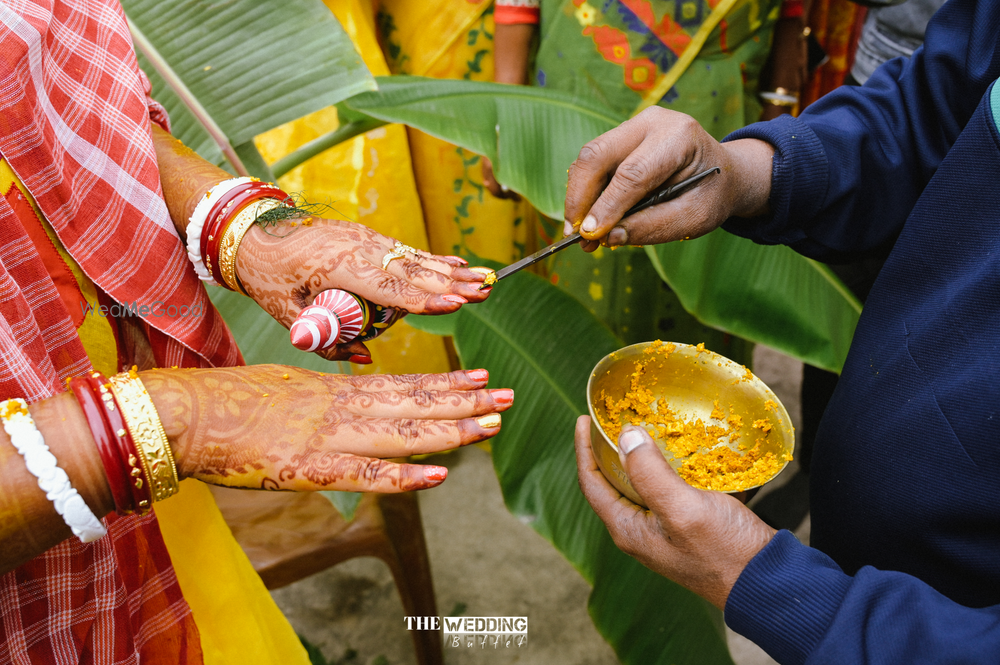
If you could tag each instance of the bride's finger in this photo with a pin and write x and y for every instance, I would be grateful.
(426, 404)
(327, 470)
(400, 437)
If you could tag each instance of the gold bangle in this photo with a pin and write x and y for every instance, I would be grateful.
(233, 236)
(147, 432)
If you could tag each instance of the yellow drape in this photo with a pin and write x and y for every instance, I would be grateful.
(462, 217)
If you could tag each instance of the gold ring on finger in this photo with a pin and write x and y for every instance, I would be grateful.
(403, 249)
(391, 256)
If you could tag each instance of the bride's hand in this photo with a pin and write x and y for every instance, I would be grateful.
(283, 269)
(285, 428)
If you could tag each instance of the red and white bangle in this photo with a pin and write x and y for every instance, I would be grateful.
(512, 12)
(18, 424)
(236, 199)
(196, 224)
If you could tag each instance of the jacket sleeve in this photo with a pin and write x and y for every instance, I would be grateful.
(801, 608)
(847, 172)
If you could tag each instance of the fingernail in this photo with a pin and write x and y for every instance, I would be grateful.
(435, 473)
(459, 259)
(618, 236)
(360, 360)
(589, 224)
(567, 228)
(451, 297)
(503, 396)
(489, 422)
(630, 439)
(480, 375)
(485, 290)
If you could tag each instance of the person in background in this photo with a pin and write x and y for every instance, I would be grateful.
(904, 563)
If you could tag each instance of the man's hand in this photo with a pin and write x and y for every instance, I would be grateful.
(658, 147)
(700, 539)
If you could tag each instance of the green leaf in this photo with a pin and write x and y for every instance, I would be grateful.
(249, 66)
(541, 131)
(346, 503)
(769, 294)
(443, 325)
(765, 294)
(543, 343)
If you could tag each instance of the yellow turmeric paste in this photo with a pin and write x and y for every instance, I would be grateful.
(719, 467)
(726, 470)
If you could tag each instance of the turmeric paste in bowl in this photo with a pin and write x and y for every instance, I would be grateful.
(716, 423)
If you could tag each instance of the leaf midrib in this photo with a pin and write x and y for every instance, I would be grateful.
(531, 361)
(515, 94)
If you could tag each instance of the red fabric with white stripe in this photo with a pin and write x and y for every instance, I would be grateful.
(512, 12)
(75, 127)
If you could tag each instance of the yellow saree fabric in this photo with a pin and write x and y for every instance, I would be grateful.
(462, 217)
(236, 617)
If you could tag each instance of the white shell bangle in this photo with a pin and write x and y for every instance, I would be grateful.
(196, 224)
(41, 463)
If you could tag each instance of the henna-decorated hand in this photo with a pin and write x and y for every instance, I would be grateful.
(285, 428)
(283, 268)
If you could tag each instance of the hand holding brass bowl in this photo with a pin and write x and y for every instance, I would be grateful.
(704, 412)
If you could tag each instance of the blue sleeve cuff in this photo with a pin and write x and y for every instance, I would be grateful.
(799, 176)
(786, 599)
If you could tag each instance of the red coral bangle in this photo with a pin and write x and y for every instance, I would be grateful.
(224, 210)
(114, 465)
(138, 476)
(513, 15)
(792, 9)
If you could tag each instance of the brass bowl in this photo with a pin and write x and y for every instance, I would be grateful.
(691, 380)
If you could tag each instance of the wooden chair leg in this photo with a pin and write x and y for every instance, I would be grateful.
(411, 568)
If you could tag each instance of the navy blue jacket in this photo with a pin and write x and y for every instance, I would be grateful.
(905, 563)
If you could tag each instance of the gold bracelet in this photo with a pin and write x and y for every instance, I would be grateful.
(147, 432)
(233, 236)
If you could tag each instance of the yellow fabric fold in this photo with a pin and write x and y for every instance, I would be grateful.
(238, 620)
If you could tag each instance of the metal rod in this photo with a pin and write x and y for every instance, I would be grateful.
(653, 199)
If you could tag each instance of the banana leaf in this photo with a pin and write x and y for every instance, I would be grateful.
(765, 294)
(229, 71)
(540, 341)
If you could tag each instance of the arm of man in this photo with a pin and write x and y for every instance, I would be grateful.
(845, 174)
(792, 600)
